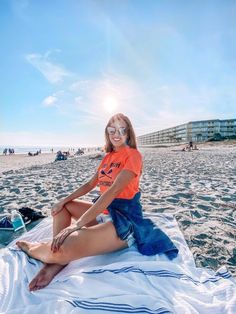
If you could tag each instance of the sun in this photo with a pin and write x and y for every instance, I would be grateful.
(110, 104)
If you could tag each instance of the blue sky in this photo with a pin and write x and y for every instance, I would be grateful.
(67, 66)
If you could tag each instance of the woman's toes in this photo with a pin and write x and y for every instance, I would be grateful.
(23, 245)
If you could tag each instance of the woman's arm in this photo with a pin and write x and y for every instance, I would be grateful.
(122, 180)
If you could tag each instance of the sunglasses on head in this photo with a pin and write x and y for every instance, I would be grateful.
(112, 130)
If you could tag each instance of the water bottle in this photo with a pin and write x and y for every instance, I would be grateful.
(17, 220)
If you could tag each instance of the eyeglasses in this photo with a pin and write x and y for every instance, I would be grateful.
(112, 130)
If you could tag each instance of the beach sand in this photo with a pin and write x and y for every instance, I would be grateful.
(197, 187)
(18, 161)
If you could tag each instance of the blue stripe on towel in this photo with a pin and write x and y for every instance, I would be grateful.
(161, 273)
(31, 261)
(115, 307)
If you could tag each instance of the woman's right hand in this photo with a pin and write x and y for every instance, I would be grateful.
(57, 208)
(61, 236)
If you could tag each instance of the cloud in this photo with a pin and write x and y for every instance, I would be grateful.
(90, 96)
(49, 101)
(171, 105)
(84, 101)
(79, 85)
(151, 107)
(52, 72)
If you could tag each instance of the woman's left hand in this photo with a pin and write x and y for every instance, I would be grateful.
(60, 238)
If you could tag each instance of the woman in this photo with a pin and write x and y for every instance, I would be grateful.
(113, 222)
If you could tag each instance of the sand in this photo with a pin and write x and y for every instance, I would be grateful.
(18, 161)
(197, 187)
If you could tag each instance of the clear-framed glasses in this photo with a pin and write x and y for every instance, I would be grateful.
(112, 130)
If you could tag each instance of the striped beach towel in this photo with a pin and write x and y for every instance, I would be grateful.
(120, 282)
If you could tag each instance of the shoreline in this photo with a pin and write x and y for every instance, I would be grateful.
(19, 161)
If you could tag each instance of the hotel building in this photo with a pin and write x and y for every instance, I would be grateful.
(196, 131)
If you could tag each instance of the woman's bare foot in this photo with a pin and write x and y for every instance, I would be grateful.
(26, 246)
(45, 276)
(47, 273)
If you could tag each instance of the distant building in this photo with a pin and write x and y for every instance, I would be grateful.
(196, 131)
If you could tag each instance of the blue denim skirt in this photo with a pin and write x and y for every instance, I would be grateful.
(102, 218)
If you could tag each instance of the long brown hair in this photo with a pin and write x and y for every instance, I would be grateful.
(131, 138)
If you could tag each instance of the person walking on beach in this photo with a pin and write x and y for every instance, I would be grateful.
(191, 145)
(5, 151)
(114, 221)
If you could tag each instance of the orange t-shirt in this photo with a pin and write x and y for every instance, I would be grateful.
(124, 159)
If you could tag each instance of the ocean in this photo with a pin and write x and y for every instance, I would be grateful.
(34, 149)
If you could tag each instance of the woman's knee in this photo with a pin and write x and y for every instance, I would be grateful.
(68, 207)
(77, 208)
(62, 256)
(63, 212)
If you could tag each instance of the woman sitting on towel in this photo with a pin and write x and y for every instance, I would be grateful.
(112, 222)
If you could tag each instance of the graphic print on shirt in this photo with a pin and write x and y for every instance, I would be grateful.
(104, 174)
(107, 174)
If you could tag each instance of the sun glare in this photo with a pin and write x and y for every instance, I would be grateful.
(110, 104)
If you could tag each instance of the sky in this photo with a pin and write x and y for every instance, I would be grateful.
(67, 66)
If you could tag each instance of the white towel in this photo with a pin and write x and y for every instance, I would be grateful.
(120, 282)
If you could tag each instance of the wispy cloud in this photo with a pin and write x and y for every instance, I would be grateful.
(54, 73)
(150, 106)
(171, 105)
(86, 100)
(91, 96)
(49, 101)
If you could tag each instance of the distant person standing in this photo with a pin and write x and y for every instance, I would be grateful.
(5, 151)
(190, 145)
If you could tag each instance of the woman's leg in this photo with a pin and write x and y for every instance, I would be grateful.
(73, 209)
(89, 241)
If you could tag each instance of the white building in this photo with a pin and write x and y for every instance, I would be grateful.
(196, 131)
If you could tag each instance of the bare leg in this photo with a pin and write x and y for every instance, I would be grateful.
(40, 251)
(89, 241)
(62, 220)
